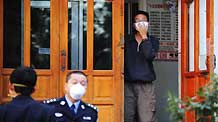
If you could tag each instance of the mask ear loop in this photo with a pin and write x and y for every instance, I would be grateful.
(19, 85)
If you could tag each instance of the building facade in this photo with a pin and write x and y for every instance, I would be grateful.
(58, 36)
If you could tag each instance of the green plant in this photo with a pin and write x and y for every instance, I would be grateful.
(205, 103)
(175, 107)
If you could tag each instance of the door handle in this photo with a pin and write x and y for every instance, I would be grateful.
(63, 60)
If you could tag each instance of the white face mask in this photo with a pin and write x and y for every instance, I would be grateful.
(143, 24)
(77, 91)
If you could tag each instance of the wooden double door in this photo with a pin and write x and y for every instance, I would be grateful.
(58, 36)
(197, 50)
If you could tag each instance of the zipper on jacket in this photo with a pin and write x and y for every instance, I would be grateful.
(138, 45)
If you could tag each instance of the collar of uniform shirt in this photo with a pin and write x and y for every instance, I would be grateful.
(70, 103)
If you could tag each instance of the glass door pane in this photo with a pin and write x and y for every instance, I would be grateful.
(102, 35)
(202, 35)
(191, 37)
(40, 34)
(13, 33)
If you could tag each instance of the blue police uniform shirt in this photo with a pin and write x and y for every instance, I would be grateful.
(62, 111)
(76, 104)
(24, 109)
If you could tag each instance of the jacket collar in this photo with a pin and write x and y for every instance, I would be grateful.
(64, 108)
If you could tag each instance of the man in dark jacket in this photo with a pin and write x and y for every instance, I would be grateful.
(139, 54)
(23, 108)
(71, 108)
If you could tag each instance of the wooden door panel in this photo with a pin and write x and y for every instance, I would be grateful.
(103, 89)
(5, 83)
(42, 87)
(47, 85)
(106, 113)
(202, 81)
(189, 87)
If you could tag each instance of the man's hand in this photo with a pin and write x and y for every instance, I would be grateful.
(142, 28)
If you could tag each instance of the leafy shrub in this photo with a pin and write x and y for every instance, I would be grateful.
(205, 103)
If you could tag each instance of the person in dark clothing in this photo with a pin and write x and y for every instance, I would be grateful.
(139, 53)
(23, 108)
(70, 108)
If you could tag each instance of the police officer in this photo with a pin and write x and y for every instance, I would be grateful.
(23, 108)
(71, 108)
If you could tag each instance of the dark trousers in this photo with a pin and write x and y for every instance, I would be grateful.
(139, 102)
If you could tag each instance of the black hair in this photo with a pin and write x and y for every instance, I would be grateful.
(134, 31)
(75, 72)
(24, 76)
(141, 12)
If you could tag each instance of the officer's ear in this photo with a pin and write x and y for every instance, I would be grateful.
(34, 89)
(11, 91)
(65, 87)
(11, 87)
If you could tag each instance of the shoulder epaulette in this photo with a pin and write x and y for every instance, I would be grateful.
(92, 106)
(50, 101)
